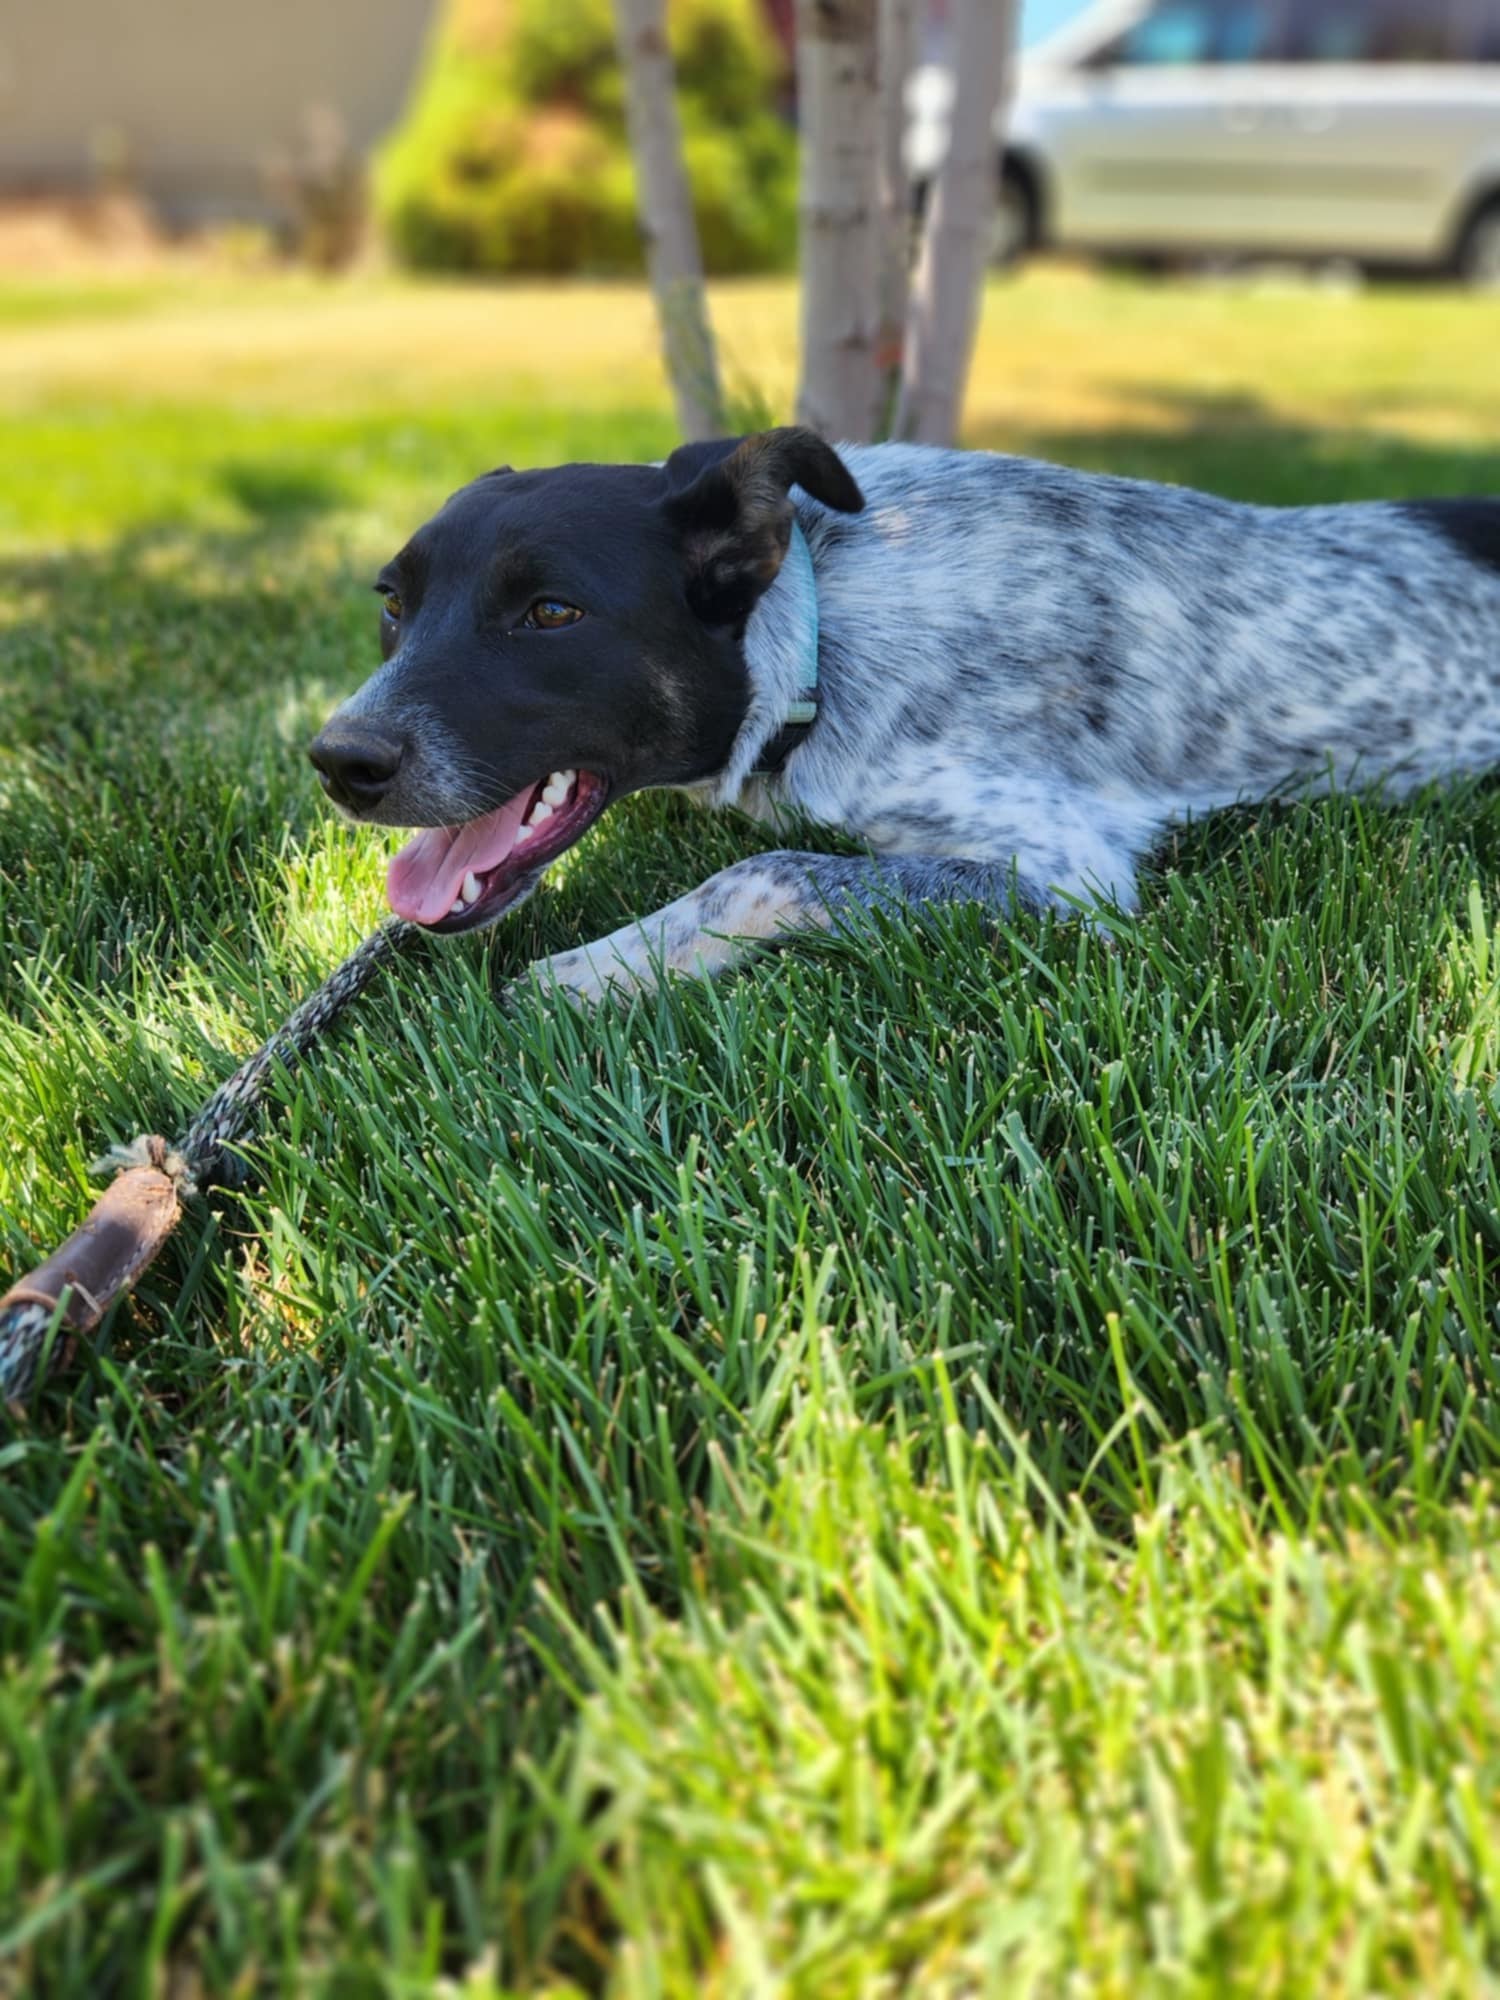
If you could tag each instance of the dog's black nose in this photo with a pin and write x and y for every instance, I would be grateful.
(356, 763)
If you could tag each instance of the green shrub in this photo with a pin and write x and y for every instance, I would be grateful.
(513, 155)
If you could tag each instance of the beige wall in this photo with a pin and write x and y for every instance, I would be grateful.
(201, 92)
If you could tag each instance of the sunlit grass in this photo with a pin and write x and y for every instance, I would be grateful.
(955, 1462)
(945, 1733)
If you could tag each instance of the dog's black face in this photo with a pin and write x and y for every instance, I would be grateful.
(555, 640)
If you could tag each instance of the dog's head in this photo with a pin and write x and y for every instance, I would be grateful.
(555, 640)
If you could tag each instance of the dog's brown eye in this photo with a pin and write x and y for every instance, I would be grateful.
(549, 613)
(391, 603)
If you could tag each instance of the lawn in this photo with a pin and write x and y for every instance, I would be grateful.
(949, 1463)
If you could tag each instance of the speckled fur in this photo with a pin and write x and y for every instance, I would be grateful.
(1027, 673)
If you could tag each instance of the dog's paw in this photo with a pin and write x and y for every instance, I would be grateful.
(587, 977)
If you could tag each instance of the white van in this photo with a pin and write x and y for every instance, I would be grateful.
(1363, 129)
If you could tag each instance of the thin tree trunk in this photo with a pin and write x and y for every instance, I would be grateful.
(955, 242)
(899, 21)
(664, 205)
(839, 108)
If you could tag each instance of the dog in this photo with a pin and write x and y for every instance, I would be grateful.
(1005, 679)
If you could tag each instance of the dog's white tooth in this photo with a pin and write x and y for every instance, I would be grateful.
(568, 778)
(554, 794)
(523, 834)
(470, 891)
(557, 782)
(540, 811)
(458, 908)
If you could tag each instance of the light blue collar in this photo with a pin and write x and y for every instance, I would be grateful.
(797, 585)
(804, 710)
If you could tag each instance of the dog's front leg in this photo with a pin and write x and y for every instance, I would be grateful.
(763, 899)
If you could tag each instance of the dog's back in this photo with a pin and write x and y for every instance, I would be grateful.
(1008, 617)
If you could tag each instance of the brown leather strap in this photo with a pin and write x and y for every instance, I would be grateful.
(104, 1257)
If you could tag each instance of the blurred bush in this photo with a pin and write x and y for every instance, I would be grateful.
(513, 153)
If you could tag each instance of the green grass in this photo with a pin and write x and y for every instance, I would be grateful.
(954, 1462)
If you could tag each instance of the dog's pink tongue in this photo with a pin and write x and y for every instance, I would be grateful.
(423, 880)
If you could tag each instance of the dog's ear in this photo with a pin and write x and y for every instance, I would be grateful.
(730, 502)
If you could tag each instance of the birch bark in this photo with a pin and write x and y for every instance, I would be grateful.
(899, 21)
(665, 208)
(838, 96)
(946, 293)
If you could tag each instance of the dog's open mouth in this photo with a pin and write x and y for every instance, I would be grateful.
(453, 878)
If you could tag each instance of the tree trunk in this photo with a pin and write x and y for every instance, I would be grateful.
(955, 242)
(664, 205)
(838, 101)
(899, 21)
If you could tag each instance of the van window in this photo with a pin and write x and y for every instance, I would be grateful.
(1250, 31)
(1331, 31)
(1200, 31)
(1411, 31)
(1478, 31)
(1359, 31)
(1172, 34)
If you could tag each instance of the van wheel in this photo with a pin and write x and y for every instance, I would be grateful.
(1478, 257)
(1013, 231)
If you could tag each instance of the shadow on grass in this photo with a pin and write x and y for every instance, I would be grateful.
(188, 617)
(1235, 445)
(281, 496)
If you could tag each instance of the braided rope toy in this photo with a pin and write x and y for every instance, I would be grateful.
(42, 1315)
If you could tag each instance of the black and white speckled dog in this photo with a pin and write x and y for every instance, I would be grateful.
(1003, 677)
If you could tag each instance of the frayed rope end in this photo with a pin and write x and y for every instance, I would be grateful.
(150, 1150)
